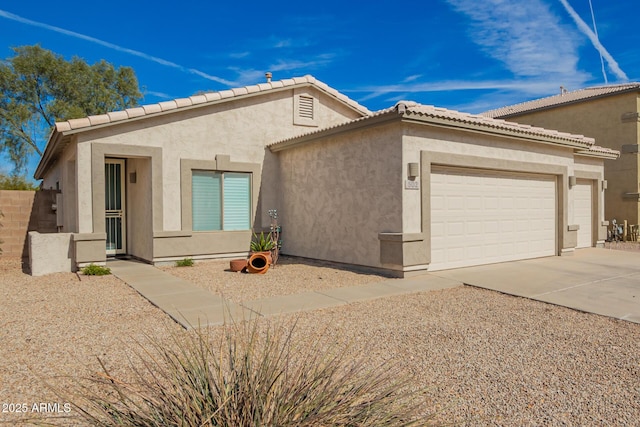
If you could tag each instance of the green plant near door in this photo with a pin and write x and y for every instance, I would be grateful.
(187, 262)
(95, 270)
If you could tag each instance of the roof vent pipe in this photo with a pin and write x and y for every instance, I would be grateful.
(268, 75)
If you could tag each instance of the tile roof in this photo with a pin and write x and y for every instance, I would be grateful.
(491, 123)
(562, 99)
(338, 126)
(202, 100)
(437, 115)
(596, 149)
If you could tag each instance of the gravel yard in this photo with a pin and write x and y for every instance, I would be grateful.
(484, 358)
(289, 276)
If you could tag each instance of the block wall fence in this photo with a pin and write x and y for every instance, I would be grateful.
(24, 211)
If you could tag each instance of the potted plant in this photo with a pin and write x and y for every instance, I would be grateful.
(262, 244)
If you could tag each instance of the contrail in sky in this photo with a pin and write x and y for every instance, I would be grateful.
(582, 26)
(108, 45)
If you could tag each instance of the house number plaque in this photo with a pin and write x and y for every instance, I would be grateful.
(412, 185)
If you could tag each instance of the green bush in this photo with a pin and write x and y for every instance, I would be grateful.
(187, 262)
(249, 376)
(261, 243)
(95, 270)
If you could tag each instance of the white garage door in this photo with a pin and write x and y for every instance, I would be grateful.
(482, 217)
(582, 205)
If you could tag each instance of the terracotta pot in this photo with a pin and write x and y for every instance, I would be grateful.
(258, 263)
(238, 264)
(267, 254)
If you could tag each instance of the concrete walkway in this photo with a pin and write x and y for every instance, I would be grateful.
(187, 304)
(192, 306)
(600, 281)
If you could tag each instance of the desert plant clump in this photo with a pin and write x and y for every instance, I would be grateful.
(187, 262)
(95, 270)
(261, 243)
(248, 376)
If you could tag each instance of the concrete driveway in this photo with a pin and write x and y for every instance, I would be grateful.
(594, 280)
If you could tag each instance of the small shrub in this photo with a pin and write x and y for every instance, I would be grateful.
(249, 376)
(187, 262)
(261, 243)
(95, 270)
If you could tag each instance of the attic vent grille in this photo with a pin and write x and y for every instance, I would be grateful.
(305, 107)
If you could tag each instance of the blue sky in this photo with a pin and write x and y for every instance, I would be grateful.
(467, 55)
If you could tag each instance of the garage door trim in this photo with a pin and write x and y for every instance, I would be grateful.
(483, 216)
(429, 158)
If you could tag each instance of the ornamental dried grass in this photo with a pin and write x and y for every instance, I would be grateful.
(251, 374)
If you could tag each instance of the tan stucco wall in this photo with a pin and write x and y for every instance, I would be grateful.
(344, 197)
(154, 147)
(603, 120)
(239, 128)
(62, 176)
(50, 253)
(339, 193)
(139, 208)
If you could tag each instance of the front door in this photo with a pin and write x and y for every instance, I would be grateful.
(114, 208)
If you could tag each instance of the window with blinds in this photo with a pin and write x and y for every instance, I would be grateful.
(237, 201)
(221, 201)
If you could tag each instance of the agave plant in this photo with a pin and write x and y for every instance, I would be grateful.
(261, 243)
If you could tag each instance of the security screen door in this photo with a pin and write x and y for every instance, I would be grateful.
(114, 206)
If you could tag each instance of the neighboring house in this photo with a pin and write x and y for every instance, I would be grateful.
(611, 115)
(401, 190)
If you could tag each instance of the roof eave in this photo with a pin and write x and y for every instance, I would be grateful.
(50, 150)
(598, 154)
(364, 122)
(316, 84)
(529, 136)
(561, 104)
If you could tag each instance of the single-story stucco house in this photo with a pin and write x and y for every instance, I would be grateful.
(402, 190)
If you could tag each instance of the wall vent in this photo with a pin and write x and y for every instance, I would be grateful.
(305, 107)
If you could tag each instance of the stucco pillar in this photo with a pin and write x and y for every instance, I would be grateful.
(83, 189)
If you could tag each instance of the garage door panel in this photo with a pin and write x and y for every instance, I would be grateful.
(495, 217)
